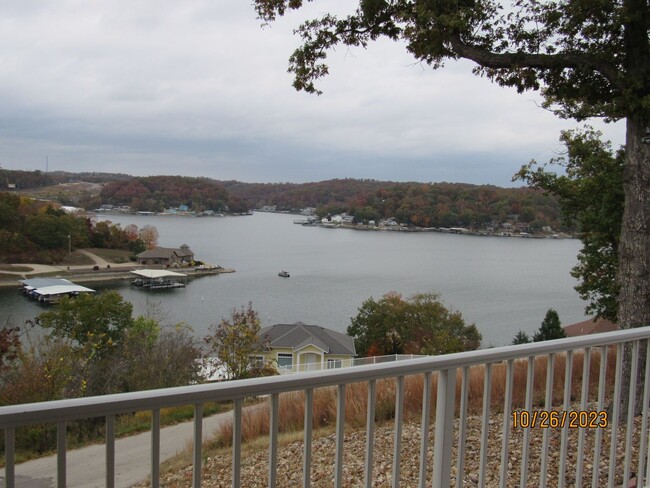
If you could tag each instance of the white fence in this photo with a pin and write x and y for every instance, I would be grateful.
(620, 456)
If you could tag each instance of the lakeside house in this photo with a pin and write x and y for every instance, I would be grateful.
(590, 326)
(302, 347)
(182, 256)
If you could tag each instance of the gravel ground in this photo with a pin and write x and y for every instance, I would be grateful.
(254, 470)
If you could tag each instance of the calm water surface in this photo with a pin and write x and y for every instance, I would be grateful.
(500, 284)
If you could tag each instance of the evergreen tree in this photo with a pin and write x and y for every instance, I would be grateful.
(521, 338)
(551, 328)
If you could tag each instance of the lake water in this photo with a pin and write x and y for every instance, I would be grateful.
(500, 284)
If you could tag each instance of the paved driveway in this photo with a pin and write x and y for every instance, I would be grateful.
(86, 466)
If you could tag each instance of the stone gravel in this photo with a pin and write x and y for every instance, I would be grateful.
(254, 463)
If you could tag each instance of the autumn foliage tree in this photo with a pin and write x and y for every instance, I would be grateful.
(232, 342)
(420, 324)
(590, 190)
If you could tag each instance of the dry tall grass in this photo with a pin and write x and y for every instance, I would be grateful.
(256, 422)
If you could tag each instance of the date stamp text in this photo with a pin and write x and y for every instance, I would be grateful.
(558, 419)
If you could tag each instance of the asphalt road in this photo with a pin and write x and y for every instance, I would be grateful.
(86, 466)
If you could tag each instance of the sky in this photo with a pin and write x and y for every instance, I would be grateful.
(201, 88)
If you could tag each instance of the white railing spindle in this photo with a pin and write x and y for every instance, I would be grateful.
(370, 432)
(426, 422)
(340, 435)
(307, 427)
(530, 378)
(568, 370)
(462, 429)
(548, 405)
(397, 444)
(507, 408)
(485, 424)
(584, 399)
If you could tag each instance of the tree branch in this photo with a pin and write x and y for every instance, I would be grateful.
(493, 60)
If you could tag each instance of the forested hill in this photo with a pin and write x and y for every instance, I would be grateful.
(157, 193)
(419, 204)
(412, 203)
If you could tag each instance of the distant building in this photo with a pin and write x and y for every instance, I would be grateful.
(182, 256)
(301, 347)
(591, 326)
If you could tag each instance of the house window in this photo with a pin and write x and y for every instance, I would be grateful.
(285, 360)
(333, 363)
(256, 361)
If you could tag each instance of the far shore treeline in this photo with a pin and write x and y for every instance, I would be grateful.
(411, 203)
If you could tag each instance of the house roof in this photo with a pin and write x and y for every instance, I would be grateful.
(591, 326)
(165, 253)
(299, 335)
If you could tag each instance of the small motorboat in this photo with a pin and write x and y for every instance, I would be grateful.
(283, 274)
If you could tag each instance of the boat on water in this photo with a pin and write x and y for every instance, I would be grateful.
(283, 274)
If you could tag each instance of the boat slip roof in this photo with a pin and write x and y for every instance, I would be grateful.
(62, 289)
(43, 282)
(156, 273)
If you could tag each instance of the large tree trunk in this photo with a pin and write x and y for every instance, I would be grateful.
(634, 258)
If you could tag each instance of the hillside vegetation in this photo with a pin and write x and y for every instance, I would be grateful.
(410, 203)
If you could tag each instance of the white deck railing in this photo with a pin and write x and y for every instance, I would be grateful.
(449, 437)
(345, 363)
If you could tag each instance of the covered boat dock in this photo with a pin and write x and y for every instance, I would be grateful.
(158, 279)
(51, 290)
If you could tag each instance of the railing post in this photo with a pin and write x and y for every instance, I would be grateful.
(507, 408)
(370, 431)
(397, 446)
(426, 422)
(340, 435)
(236, 443)
(198, 444)
(61, 451)
(309, 420)
(273, 439)
(485, 425)
(110, 451)
(155, 448)
(10, 450)
(548, 406)
(444, 436)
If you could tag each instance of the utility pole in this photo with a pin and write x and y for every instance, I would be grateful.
(69, 244)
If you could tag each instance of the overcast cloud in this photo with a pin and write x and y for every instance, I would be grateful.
(199, 88)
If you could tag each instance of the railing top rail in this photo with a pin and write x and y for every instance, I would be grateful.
(32, 413)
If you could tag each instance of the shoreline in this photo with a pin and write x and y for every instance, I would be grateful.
(90, 275)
